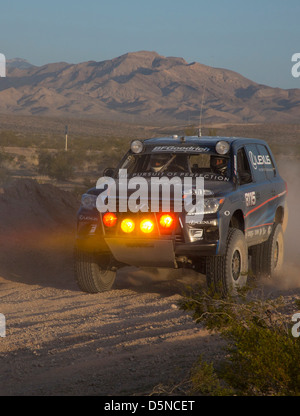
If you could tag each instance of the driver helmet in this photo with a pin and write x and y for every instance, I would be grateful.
(218, 164)
(158, 161)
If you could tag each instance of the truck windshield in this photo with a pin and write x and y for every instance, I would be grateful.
(161, 164)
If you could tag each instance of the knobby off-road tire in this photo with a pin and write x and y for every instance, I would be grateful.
(267, 258)
(92, 271)
(226, 274)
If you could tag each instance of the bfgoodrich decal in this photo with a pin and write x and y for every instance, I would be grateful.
(181, 149)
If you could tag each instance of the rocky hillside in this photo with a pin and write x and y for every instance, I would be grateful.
(141, 87)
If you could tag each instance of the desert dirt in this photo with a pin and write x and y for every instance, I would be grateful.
(61, 341)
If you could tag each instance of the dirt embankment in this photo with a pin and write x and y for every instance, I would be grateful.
(126, 341)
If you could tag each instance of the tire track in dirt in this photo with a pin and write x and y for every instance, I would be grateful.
(118, 342)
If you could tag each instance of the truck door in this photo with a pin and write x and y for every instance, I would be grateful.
(258, 208)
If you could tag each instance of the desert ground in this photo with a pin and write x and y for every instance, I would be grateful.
(129, 341)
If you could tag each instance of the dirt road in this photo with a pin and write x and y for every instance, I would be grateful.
(60, 341)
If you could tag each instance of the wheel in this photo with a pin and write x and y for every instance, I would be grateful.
(267, 258)
(274, 252)
(225, 274)
(93, 271)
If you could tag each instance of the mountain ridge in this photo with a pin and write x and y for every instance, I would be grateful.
(144, 86)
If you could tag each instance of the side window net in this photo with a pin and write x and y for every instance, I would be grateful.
(243, 167)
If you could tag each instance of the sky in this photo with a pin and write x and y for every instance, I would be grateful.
(255, 38)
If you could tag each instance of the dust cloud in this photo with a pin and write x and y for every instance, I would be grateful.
(289, 169)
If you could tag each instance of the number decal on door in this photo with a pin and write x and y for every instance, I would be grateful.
(250, 198)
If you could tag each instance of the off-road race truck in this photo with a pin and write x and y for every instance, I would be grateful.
(241, 230)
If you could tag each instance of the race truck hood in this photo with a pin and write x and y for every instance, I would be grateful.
(218, 188)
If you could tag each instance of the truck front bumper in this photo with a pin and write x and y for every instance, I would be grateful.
(143, 253)
(156, 253)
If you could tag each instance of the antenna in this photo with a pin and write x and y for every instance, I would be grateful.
(201, 110)
(202, 102)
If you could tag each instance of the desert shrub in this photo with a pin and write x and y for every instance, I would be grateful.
(263, 358)
(5, 176)
(202, 380)
(44, 163)
(5, 157)
(205, 381)
(57, 165)
(21, 159)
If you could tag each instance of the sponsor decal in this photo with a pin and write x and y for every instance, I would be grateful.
(250, 198)
(207, 176)
(87, 218)
(259, 160)
(259, 231)
(249, 234)
(207, 222)
(181, 149)
(198, 234)
(93, 229)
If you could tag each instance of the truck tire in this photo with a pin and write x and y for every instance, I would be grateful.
(93, 271)
(225, 274)
(267, 258)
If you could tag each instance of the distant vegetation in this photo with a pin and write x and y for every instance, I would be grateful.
(34, 148)
(85, 157)
(57, 165)
(10, 138)
(5, 159)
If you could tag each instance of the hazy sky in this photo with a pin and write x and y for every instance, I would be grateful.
(254, 38)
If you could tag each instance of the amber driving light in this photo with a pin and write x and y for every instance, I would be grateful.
(109, 219)
(127, 225)
(166, 221)
(147, 226)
